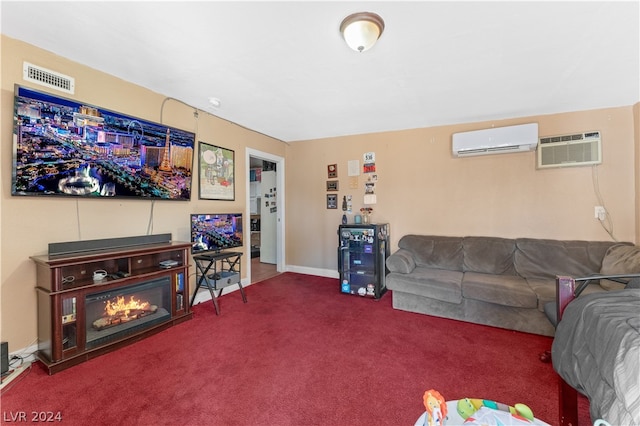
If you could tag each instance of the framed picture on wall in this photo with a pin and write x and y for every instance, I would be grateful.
(332, 201)
(332, 185)
(332, 171)
(217, 173)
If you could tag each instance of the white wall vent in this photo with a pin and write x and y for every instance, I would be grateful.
(580, 149)
(497, 140)
(48, 78)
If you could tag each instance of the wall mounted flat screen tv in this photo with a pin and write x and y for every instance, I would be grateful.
(215, 232)
(67, 148)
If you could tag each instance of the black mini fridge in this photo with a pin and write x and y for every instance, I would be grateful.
(362, 253)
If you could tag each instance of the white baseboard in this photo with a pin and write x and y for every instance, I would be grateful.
(27, 354)
(14, 374)
(328, 273)
(204, 295)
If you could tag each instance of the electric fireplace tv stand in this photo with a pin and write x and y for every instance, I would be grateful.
(144, 290)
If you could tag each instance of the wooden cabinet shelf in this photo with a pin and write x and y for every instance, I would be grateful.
(80, 318)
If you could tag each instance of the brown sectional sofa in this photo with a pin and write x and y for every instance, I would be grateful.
(489, 280)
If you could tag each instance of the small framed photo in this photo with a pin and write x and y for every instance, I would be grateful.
(332, 185)
(332, 171)
(332, 201)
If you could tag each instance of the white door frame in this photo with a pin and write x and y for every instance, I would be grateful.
(280, 249)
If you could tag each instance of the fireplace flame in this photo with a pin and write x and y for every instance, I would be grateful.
(118, 311)
(121, 308)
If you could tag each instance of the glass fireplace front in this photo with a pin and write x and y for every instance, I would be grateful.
(116, 313)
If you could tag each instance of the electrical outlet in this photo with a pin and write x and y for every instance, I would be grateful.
(600, 213)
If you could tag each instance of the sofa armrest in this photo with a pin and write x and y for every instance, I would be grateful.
(620, 260)
(401, 261)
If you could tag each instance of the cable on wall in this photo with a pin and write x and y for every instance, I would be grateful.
(78, 218)
(196, 114)
(195, 111)
(607, 222)
(150, 225)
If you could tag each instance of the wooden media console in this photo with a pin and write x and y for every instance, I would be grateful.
(145, 289)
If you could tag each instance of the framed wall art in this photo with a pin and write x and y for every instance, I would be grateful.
(332, 201)
(332, 171)
(217, 173)
(332, 185)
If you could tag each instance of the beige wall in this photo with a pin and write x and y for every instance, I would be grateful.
(636, 124)
(423, 189)
(29, 224)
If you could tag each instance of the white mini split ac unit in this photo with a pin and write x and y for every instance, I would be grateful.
(580, 149)
(497, 140)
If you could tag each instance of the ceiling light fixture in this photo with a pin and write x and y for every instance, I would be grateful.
(361, 30)
(215, 102)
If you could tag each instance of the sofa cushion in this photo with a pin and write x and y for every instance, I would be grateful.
(489, 255)
(619, 259)
(401, 261)
(539, 258)
(507, 290)
(438, 284)
(434, 251)
(545, 289)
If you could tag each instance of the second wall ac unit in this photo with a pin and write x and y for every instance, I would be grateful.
(580, 149)
(497, 140)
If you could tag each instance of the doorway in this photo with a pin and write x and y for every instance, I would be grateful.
(265, 210)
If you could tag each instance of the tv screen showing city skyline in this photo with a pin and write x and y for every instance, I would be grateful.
(63, 147)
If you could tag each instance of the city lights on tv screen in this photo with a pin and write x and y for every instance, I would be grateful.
(67, 148)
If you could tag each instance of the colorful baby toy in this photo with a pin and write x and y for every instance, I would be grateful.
(466, 407)
(436, 408)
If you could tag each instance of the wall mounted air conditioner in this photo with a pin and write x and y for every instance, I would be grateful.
(580, 149)
(497, 140)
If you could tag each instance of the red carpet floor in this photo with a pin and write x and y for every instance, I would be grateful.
(298, 353)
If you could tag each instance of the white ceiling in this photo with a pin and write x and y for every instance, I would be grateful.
(282, 68)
